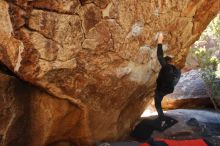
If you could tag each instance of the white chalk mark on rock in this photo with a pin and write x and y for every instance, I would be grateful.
(157, 12)
(136, 72)
(165, 47)
(136, 30)
(144, 53)
(140, 73)
(18, 64)
(120, 72)
(144, 49)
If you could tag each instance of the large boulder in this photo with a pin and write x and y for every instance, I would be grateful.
(99, 56)
(190, 92)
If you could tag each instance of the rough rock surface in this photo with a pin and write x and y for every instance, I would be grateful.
(190, 92)
(28, 113)
(97, 55)
(13, 119)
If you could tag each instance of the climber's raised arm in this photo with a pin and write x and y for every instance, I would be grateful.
(160, 50)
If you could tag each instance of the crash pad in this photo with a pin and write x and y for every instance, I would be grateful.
(192, 142)
(160, 142)
(145, 127)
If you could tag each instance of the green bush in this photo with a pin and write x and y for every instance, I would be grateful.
(208, 57)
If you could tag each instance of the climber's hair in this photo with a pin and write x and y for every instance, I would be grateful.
(168, 59)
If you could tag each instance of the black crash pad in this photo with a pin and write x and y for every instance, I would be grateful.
(145, 127)
(133, 143)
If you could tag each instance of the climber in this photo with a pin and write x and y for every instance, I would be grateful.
(168, 77)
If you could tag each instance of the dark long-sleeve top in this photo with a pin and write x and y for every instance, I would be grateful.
(165, 77)
(160, 55)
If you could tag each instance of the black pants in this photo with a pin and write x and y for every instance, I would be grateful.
(157, 100)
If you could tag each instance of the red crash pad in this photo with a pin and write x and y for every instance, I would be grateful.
(144, 144)
(193, 142)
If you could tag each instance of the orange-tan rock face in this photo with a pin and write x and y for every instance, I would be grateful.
(13, 118)
(98, 55)
(30, 116)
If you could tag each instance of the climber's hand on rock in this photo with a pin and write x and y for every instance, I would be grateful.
(160, 38)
